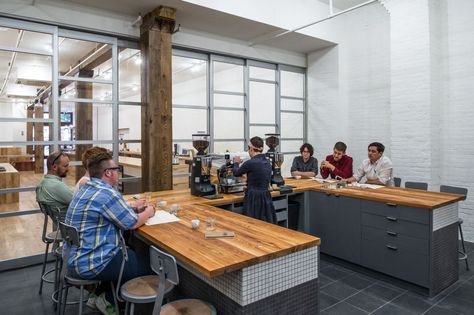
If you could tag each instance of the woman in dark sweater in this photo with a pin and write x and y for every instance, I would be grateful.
(257, 200)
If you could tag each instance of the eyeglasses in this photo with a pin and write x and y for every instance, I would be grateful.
(56, 158)
(116, 168)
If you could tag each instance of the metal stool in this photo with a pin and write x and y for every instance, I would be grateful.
(416, 185)
(165, 266)
(459, 191)
(71, 238)
(48, 238)
(397, 181)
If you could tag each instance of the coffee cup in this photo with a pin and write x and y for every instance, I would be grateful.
(162, 204)
(195, 224)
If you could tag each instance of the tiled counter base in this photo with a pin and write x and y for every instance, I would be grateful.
(285, 285)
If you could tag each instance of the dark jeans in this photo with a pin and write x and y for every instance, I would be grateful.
(136, 266)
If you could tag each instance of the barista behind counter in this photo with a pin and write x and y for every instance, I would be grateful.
(306, 164)
(258, 201)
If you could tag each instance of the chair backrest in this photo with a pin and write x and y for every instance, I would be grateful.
(416, 185)
(69, 234)
(165, 266)
(397, 181)
(453, 190)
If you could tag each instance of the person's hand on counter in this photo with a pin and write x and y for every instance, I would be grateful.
(326, 164)
(137, 205)
(144, 216)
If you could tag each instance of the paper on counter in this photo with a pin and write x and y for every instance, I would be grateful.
(161, 217)
(371, 186)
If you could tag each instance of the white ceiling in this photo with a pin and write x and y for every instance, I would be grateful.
(203, 19)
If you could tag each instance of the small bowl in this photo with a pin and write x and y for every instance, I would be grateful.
(297, 177)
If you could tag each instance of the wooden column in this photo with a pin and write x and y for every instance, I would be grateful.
(83, 117)
(29, 129)
(39, 136)
(155, 46)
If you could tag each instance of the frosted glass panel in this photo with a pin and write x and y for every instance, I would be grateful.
(260, 131)
(286, 167)
(228, 77)
(129, 75)
(228, 124)
(290, 104)
(231, 146)
(262, 103)
(291, 145)
(292, 84)
(189, 81)
(188, 121)
(262, 73)
(130, 122)
(291, 125)
(224, 100)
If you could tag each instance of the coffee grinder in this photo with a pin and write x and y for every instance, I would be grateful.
(272, 140)
(201, 168)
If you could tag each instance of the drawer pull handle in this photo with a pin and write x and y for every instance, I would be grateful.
(391, 247)
(391, 204)
(392, 219)
(392, 233)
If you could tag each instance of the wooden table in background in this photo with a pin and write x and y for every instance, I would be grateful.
(9, 179)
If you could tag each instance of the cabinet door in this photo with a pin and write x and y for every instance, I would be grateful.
(336, 220)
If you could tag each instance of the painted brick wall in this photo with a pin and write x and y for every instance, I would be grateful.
(403, 74)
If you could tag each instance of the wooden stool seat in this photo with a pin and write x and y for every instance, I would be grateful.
(144, 287)
(188, 307)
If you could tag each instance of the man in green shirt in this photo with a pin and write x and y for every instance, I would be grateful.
(51, 191)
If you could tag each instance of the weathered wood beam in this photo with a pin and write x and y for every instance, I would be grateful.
(156, 86)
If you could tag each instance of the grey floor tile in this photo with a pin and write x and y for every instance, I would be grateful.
(436, 310)
(454, 304)
(343, 308)
(383, 292)
(339, 290)
(365, 302)
(465, 291)
(324, 281)
(335, 273)
(326, 301)
(391, 309)
(358, 281)
(413, 302)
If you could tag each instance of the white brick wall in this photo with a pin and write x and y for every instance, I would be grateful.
(402, 74)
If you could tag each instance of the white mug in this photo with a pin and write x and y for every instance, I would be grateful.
(162, 204)
(195, 224)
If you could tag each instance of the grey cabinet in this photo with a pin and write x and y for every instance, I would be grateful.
(336, 220)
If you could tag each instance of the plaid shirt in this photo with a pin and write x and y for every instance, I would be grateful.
(99, 213)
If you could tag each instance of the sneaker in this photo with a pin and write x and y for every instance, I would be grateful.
(91, 301)
(104, 306)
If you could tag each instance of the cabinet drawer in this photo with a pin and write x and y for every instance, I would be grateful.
(280, 203)
(398, 263)
(396, 211)
(282, 215)
(396, 225)
(398, 241)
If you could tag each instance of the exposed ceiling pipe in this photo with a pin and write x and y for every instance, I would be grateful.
(266, 37)
(12, 60)
(76, 67)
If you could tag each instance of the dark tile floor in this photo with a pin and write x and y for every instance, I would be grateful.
(345, 290)
(342, 291)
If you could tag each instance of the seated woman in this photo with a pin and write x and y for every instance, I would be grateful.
(257, 200)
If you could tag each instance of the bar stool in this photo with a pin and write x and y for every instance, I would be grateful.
(397, 181)
(71, 238)
(53, 238)
(459, 191)
(165, 266)
(416, 185)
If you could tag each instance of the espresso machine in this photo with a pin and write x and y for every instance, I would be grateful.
(272, 140)
(201, 168)
(228, 183)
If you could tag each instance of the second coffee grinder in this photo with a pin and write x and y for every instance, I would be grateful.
(272, 140)
(201, 167)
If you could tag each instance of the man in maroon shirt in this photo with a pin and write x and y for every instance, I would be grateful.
(337, 164)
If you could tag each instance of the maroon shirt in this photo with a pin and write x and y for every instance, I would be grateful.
(343, 167)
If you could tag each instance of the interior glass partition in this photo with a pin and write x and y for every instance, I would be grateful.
(59, 89)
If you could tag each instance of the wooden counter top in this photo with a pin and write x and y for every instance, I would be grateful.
(255, 240)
